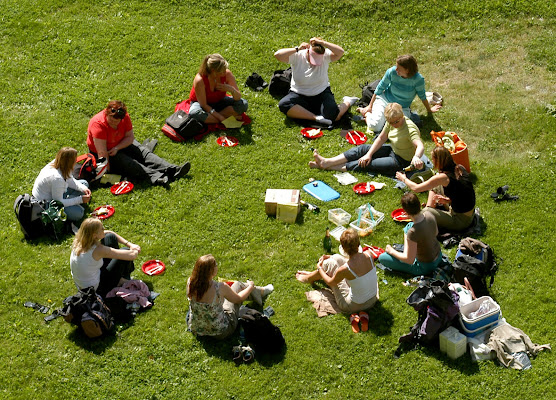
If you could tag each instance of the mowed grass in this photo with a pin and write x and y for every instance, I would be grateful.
(60, 62)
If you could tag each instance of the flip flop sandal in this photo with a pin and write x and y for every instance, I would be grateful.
(248, 354)
(37, 307)
(55, 314)
(364, 318)
(354, 321)
(506, 196)
(501, 191)
(237, 354)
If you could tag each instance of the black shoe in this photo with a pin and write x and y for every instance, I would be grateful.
(182, 171)
(163, 180)
(150, 144)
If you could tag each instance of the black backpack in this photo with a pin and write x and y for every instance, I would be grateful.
(476, 272)
(28, 212)
(87, 310)
(89, 168)
(261, 333)
(280, 83)
(181, 127)
(367, 91)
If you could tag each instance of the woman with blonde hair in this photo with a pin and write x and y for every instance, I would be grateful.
(96, 259)
(405, 148)
(56, 182)
(213, 305)
(458, 198)
(353, 278)
(210, 102)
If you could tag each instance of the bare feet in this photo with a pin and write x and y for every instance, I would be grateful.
(302, 276)
(318, 160)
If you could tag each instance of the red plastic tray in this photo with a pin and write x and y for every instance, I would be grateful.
(363, 188)
(153, 267)
(356, 137)
(121, 188)
(108, 214)
(305, 133)
(375, 251)
(400, 215)
(227, 141)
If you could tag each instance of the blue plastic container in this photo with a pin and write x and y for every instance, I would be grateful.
(482, 322)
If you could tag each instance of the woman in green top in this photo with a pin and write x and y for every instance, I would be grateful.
(405, 148)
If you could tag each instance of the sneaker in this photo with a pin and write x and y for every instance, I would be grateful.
(350, 100)
(182, 171)
(324, 121)
(267, 290)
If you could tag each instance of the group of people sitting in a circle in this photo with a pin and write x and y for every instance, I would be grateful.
(97, 259)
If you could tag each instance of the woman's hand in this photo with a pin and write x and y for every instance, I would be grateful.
(85, 198)
(113, 151)
(400, 176)
(389, 249)
(364, 110)
(250, 284)
(323, 257)
(303, 46)
(441, 199)
(224, 87)
(365, 160)
(435, 108)
(136, 247)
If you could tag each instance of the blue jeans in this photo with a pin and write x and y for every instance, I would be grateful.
(384, 160)
(197, 112)
(76, 212)
(415, 269)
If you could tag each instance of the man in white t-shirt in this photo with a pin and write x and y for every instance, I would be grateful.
(310, 97)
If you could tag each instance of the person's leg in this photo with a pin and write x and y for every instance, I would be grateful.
(394, 264)
(138, 162)
(331, 110)
(113, 270)
(231, 310)
(450, 220)
(341, 162)
(299, 107)
(385, 162)
(76, 212)
(375, 119)
(426, 269)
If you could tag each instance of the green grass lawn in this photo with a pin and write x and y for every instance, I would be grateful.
(61, 61)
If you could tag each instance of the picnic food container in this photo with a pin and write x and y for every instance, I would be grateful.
(460, 153)
(453, 342)
(474, 325)
(338, 216)
(377, 215)
(365, 226)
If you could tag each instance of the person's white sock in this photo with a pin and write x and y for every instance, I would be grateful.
(321, 120)
(267, 289)
(350, 100)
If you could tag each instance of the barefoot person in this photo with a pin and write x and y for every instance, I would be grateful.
(458, 197)
(96, 259)
(405, 148)
(213, 305)
(353, 280)
(421, 254)
(310, 97)
(400, 84)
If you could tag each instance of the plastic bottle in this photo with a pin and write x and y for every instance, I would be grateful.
(522, 358)
(327, 241)
(310, 206)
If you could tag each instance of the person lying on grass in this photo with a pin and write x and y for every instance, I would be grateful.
(210, 103)
(110, 135)
(421, 254)
(310, 97)
(96, 259)
(400, 84)
(458, 198)
(405, 148)
(353, 280)
(56, 182)
(214, 306)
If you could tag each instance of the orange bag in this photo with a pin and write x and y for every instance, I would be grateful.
(460, 154)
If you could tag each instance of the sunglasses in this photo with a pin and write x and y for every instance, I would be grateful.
(118, 113)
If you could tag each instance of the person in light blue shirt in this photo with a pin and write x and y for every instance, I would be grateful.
(400, 84)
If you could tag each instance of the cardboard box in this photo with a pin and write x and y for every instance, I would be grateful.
(280, 196)
(287, 212)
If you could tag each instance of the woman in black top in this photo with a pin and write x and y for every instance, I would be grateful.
(458, 200)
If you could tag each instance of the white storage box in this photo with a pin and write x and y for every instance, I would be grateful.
(453, 342)
(473, 324)
(338, 216)
(365, 226)
(337, 232)
(377, 215)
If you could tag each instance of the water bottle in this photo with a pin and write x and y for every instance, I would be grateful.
(327, 241)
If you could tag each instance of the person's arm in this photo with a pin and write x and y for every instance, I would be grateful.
(125, 142)
(125, 242)
(230, 86)
(337, 51)
(369, 108)
(430, 109)
(419, 150)
(102, 251)
(409, 251)
(100, 145)
(200, 92)
(236, 298)
(74, 184)
(341, 273)
(380, 140)
(283, 55)
(440, 179)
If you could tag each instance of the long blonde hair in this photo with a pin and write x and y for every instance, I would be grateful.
(213, 62)
(85, 237)
(65, 160)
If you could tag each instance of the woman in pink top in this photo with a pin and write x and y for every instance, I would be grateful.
(210, 102)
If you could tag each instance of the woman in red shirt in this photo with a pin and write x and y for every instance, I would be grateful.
(110, 135)
(210, 102)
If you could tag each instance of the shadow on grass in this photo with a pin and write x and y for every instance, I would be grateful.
(97, 346)
(223, 349)
(381, 320)
(463, 364)
(429, 124)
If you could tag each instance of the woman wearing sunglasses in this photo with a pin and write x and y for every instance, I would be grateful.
(110, 135)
